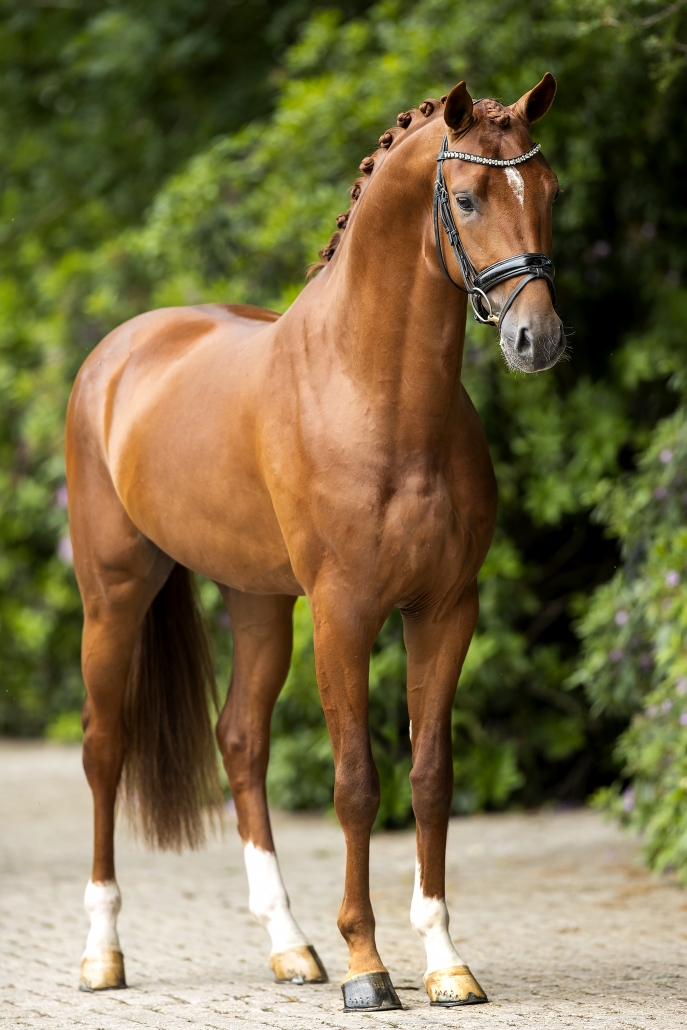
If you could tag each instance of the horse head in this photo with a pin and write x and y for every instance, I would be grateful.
(502, 210)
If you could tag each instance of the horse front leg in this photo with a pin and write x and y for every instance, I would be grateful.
(262, 630)
(436, 651)
(343, 641)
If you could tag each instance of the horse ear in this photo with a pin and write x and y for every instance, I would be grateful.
(534, 105)
(458, 108)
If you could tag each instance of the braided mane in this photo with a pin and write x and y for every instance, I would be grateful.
(406, 122)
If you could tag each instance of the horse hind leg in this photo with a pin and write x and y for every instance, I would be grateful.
(119, 574)
(262, 629)
(111, 629)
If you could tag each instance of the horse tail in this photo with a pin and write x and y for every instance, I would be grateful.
(170, 768)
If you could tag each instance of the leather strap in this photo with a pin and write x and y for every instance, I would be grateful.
(478, 284)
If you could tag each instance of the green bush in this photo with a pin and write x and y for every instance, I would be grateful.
(634, 659)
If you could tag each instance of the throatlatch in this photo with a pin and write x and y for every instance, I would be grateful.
(478, 284)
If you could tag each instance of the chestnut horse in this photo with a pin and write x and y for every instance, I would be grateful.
(330, 452)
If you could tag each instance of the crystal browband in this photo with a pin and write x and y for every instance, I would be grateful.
(476, 159)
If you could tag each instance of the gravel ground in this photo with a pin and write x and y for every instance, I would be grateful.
(552, 911)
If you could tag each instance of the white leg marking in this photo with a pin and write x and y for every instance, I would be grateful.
(268, 900)
(102, 901)
(429, 917)
(517, 184)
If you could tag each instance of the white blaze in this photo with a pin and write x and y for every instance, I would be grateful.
(429, 918)
(102, 901)
(268, 900)
(517, 184)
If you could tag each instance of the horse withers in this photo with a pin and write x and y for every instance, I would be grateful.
(330, 452)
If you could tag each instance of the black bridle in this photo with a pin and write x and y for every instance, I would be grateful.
(478, 284)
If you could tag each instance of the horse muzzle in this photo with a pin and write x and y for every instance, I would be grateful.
(532, 342)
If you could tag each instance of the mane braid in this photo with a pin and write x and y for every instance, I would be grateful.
(406, 122)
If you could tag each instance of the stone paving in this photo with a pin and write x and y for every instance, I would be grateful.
(555, 916)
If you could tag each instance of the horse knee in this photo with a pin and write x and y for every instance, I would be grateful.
(356, 791)
(431, 780)
(103, 747)
(245, 759)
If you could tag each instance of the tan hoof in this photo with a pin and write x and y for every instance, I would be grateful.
(298, 966)
(102, 972)
(454, 986)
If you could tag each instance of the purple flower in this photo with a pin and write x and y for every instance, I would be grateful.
(660, 492)
(683, 719)
(628, 797)
(616, 654)
(621, 617)
(601, 249)
(666, 455)
(61, 496)
(672, 578)
(64, 550)
(666, 705)
(651, 711)
(645, 661)
(682, 685)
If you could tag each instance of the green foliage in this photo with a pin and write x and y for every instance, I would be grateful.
(205, 207)
(634, 659)
(301, 770)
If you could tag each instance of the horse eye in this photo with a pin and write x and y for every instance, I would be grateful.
(556, 194)
(465, 204)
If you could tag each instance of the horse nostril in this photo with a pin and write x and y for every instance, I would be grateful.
(523, 343)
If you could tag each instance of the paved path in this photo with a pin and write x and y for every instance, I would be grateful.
(553, 913)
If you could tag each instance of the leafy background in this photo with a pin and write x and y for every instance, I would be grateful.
(179, 152)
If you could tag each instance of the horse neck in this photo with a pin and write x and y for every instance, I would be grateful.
(397, 324)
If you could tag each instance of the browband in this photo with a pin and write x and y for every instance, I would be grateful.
(477, 159)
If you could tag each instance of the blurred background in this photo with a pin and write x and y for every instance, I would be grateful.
(177, 152)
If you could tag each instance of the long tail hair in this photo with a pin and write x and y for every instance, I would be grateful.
(170, 768)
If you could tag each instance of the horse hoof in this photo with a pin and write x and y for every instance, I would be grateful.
(369, 991)
(454, 986)
(299, 966)
(102, 972)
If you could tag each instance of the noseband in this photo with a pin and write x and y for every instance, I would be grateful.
(478, 284)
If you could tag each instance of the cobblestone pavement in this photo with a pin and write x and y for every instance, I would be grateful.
(552, 912)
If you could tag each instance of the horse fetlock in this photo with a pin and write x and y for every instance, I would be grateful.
(102, 901)
(268, 901)
(102, 964)
(429, 918)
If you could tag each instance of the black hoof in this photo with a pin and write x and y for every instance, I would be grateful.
(370, 991)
